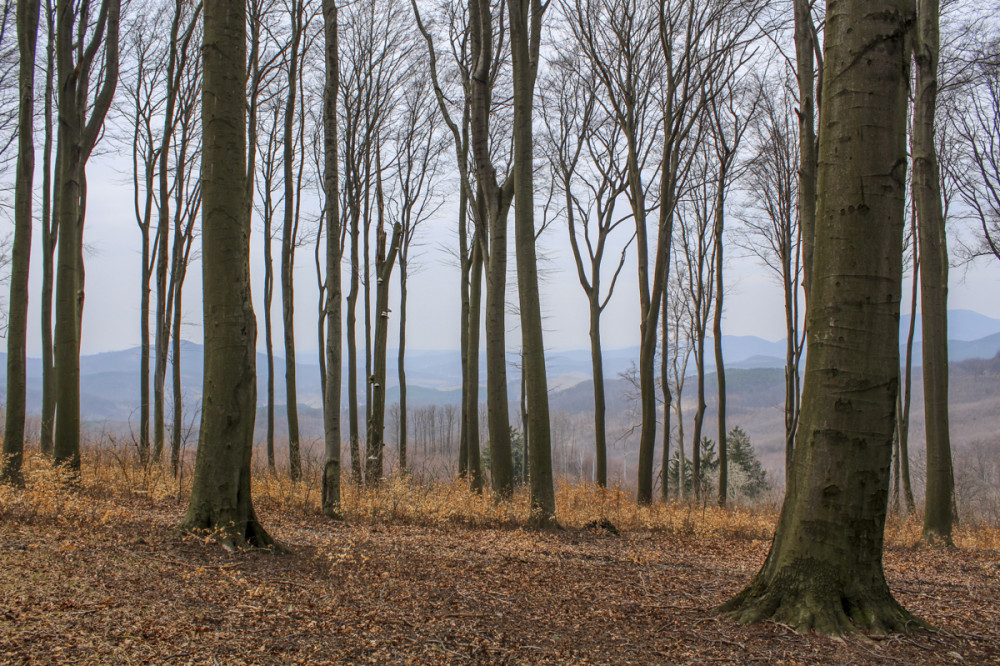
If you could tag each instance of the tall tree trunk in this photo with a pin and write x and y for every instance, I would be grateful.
(269, 337)
(525, 38)
(334, 252)
(465, 328)
(806, 51)
(384, 261)
(824, 571)
(940, 499)
(401, 367)
(699, 413)
(791, 358)
(288, 241)
(720, 366)
(597, 369)
(176, 434)
(17, 323)
(667, 400)
(49, 237)
(352, 352)
(492, 208)
(163, 232)
(220, 491)
(903, 410)
(471, 399)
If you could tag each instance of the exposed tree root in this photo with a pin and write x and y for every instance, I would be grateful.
(232, 536)
(822, 604)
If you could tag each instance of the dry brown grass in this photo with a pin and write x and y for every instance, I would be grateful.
(108, 476)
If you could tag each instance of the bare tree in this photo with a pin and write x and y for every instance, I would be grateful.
(48, 241)
(77, 51)
(824, 571)
(940, 497)
(585, 153)
(220, 493)
(489, 199)
(334, 254)
(418, 143)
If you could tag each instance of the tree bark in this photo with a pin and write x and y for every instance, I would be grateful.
(49, 238)
(940, 498)
(288, 240)
(17, 323)
(220, 491)
(401, 367)
(824, 571)
(471, 398)
(334, 252)
(384, 261)
(903, 410)
(805, 58)
(720, 367)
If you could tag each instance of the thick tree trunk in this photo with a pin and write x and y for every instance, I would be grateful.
(334, 252)
(824, 571)
(220, 491)
(17, 322)
(493, 205)
(940, 499)
(525, 31)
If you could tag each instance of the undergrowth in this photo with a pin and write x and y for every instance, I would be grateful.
(114, 487)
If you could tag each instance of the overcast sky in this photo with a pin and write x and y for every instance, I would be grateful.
(753, 303)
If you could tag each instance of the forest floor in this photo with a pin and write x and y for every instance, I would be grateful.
(420, 574)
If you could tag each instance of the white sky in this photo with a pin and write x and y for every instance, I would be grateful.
(753, 305)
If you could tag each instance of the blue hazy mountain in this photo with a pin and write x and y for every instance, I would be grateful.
(109, 380)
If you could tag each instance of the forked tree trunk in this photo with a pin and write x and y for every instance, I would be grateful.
(824, 571)
(17, 322)
(220, 491)
(940, 499)
(77, 136)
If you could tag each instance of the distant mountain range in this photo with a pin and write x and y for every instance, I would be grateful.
(109, 380)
